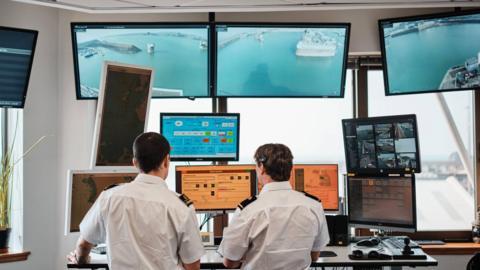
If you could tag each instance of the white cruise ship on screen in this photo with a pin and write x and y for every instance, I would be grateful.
(314, 44)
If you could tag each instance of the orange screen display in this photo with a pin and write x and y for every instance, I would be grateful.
(216, 187)
(319, 180)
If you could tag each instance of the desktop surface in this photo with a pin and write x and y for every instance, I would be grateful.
(212, 260)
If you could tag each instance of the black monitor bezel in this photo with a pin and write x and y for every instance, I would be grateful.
(253, 183)
(338, 183)
(192, 25)
(29, 71)
(237, 115)
(347, 27)
(384, 225)
(408, 19)
(374, 121)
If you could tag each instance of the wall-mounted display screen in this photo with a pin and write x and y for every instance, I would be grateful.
(382, 144)
(178, 53)
(431, 53)
(280, 60)
(17, 47)
(201, 136)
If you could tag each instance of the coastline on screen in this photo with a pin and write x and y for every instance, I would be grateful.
(320, 180)
(216, 187)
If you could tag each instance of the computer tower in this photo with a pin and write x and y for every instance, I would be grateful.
(338, 230)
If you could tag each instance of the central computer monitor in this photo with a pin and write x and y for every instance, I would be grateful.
(202, 136)
(216, 188)
(320, 180)
(382, 202)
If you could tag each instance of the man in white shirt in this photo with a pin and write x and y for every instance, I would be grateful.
(143, 223)
(280, 228)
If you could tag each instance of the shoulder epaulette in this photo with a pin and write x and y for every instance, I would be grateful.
(111, 186)
(246, 202)
(311, 196)
(185, 200)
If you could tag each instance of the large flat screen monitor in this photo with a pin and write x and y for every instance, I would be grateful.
(17, 48)
(202, 136)
(431, 53)
(281, 60)
(382, 202)
(84, 187)
(216, 188)
(320, 180)
(382, 144)
(177, 52)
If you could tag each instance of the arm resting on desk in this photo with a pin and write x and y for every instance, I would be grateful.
(231, 264)
(314, 255)
(192, 266)
(81, 253)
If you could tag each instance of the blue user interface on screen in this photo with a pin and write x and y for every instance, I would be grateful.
(431, 55)
(201, 137)
(178, 54)
(281, 61)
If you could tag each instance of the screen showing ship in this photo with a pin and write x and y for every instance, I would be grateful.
(281, 60)
(431, 53)
(177, 53)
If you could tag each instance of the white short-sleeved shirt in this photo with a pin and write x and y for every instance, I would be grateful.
(278, 230)
(145, 226)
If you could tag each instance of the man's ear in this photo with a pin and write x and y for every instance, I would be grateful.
(134, 162)
(166, 162)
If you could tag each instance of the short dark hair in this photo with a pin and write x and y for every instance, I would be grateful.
(150, 149)
(277, 159)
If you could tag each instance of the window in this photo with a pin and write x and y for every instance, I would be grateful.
(158, 106)
(311, 128)
(445, 188)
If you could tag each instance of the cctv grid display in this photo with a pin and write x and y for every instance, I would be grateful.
(202, 136)
(381, 145)
(431, 53)
(17, 48)
(277, 60)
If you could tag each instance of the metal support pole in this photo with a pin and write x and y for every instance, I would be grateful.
(457, 139)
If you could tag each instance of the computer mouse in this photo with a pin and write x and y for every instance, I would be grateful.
(373, 254)
(368, 242)
(358, 254)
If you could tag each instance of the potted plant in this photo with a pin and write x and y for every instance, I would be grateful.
(7, 166)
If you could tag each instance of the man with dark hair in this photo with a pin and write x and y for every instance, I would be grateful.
(143, 223)
(279, 229)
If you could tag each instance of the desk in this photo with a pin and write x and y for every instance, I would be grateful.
(212, 260)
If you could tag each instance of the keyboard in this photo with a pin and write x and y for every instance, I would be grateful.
(100, 249)
(430, 242)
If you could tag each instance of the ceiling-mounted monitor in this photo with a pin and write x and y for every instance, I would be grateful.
(177, 52)
(281, 59)
(17, 48)
(431, 53)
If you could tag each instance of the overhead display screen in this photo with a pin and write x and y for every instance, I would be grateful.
(431, 53)
(178, 53)
(278, 60)
(201, 136)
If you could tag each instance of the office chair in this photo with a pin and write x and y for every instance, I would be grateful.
(474, 263)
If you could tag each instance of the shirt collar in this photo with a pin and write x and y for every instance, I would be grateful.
(150, 179)
(273, 186)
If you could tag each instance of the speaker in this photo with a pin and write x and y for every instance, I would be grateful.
(338, 230)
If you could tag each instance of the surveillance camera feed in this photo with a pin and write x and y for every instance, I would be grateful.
(177, 53)
(281, 61)
(430, 55)
(387, 144)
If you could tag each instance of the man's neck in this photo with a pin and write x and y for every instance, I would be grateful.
(157, 173)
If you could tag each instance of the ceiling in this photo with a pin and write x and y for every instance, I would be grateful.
(153, 6)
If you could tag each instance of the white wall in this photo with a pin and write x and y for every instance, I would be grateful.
(52, 108)
(41, 227)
